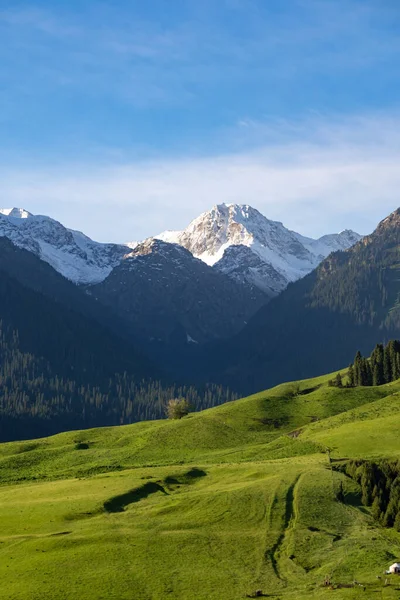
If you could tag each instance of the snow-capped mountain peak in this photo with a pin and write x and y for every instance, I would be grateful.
(15, 213)
(208, 236)
(69, 252)
(281, 255)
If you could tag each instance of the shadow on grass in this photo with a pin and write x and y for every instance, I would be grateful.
(184, 478)
(262, 595)
(307, 391)
(118, 503)
(353, 499)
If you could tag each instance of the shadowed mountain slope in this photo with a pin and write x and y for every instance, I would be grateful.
(352, 300)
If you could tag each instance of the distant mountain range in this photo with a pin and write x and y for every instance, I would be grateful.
(193, 286)
(97, 334)
(221, 237)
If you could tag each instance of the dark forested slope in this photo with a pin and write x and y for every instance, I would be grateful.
(62, 369)
(350, 301)
(167, 295)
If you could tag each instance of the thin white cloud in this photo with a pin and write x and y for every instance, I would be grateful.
(327, 176)
(156, 63)
(40, 20)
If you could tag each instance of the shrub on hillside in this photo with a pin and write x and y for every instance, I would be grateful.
(177, 408)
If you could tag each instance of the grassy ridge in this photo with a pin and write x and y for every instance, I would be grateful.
(219, 504)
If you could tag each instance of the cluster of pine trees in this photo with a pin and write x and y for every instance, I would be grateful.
(383, 366)
(380, 488)
(36, 400)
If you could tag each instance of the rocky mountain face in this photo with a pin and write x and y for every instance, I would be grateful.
(351, 301)
(243, 244)
(71, 253)
(170, 296)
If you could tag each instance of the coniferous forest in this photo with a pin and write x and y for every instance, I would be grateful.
(60, 369)
(383, 366)
(35, 401)
(380, 488)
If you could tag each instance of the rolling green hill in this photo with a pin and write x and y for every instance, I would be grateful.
(220, 504)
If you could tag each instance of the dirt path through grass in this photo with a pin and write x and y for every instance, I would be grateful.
(281, 519)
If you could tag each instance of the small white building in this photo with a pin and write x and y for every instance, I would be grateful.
(394, 569)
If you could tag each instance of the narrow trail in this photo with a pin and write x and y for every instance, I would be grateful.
(273, 554)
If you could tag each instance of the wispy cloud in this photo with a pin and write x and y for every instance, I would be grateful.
(344, 173)
(39, 20)
(130, 54)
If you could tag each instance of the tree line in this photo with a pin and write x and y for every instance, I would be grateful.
(383, 366)
(380, 488)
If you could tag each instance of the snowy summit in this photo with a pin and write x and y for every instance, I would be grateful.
(239, 241)
(69, 252)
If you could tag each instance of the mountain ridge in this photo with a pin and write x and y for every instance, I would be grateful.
(168, 294)
(278, 255)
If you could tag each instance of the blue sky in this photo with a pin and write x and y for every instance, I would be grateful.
(125, 118)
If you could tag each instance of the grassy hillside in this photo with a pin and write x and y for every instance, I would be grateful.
(217, 505)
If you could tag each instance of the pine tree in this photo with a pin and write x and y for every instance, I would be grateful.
(338, 380)
(390, 514)
(376, 361)
(365, 376)
(377, 378)
(357, 368)
(387, 366)
(376, 509)
(351, 376)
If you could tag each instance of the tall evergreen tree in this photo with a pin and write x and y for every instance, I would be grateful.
(351, 376)
(397, 521)
(387, 366)
(377, 377)
(338, 380)
(358, 369)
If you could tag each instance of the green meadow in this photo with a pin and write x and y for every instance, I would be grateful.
(216, 505)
